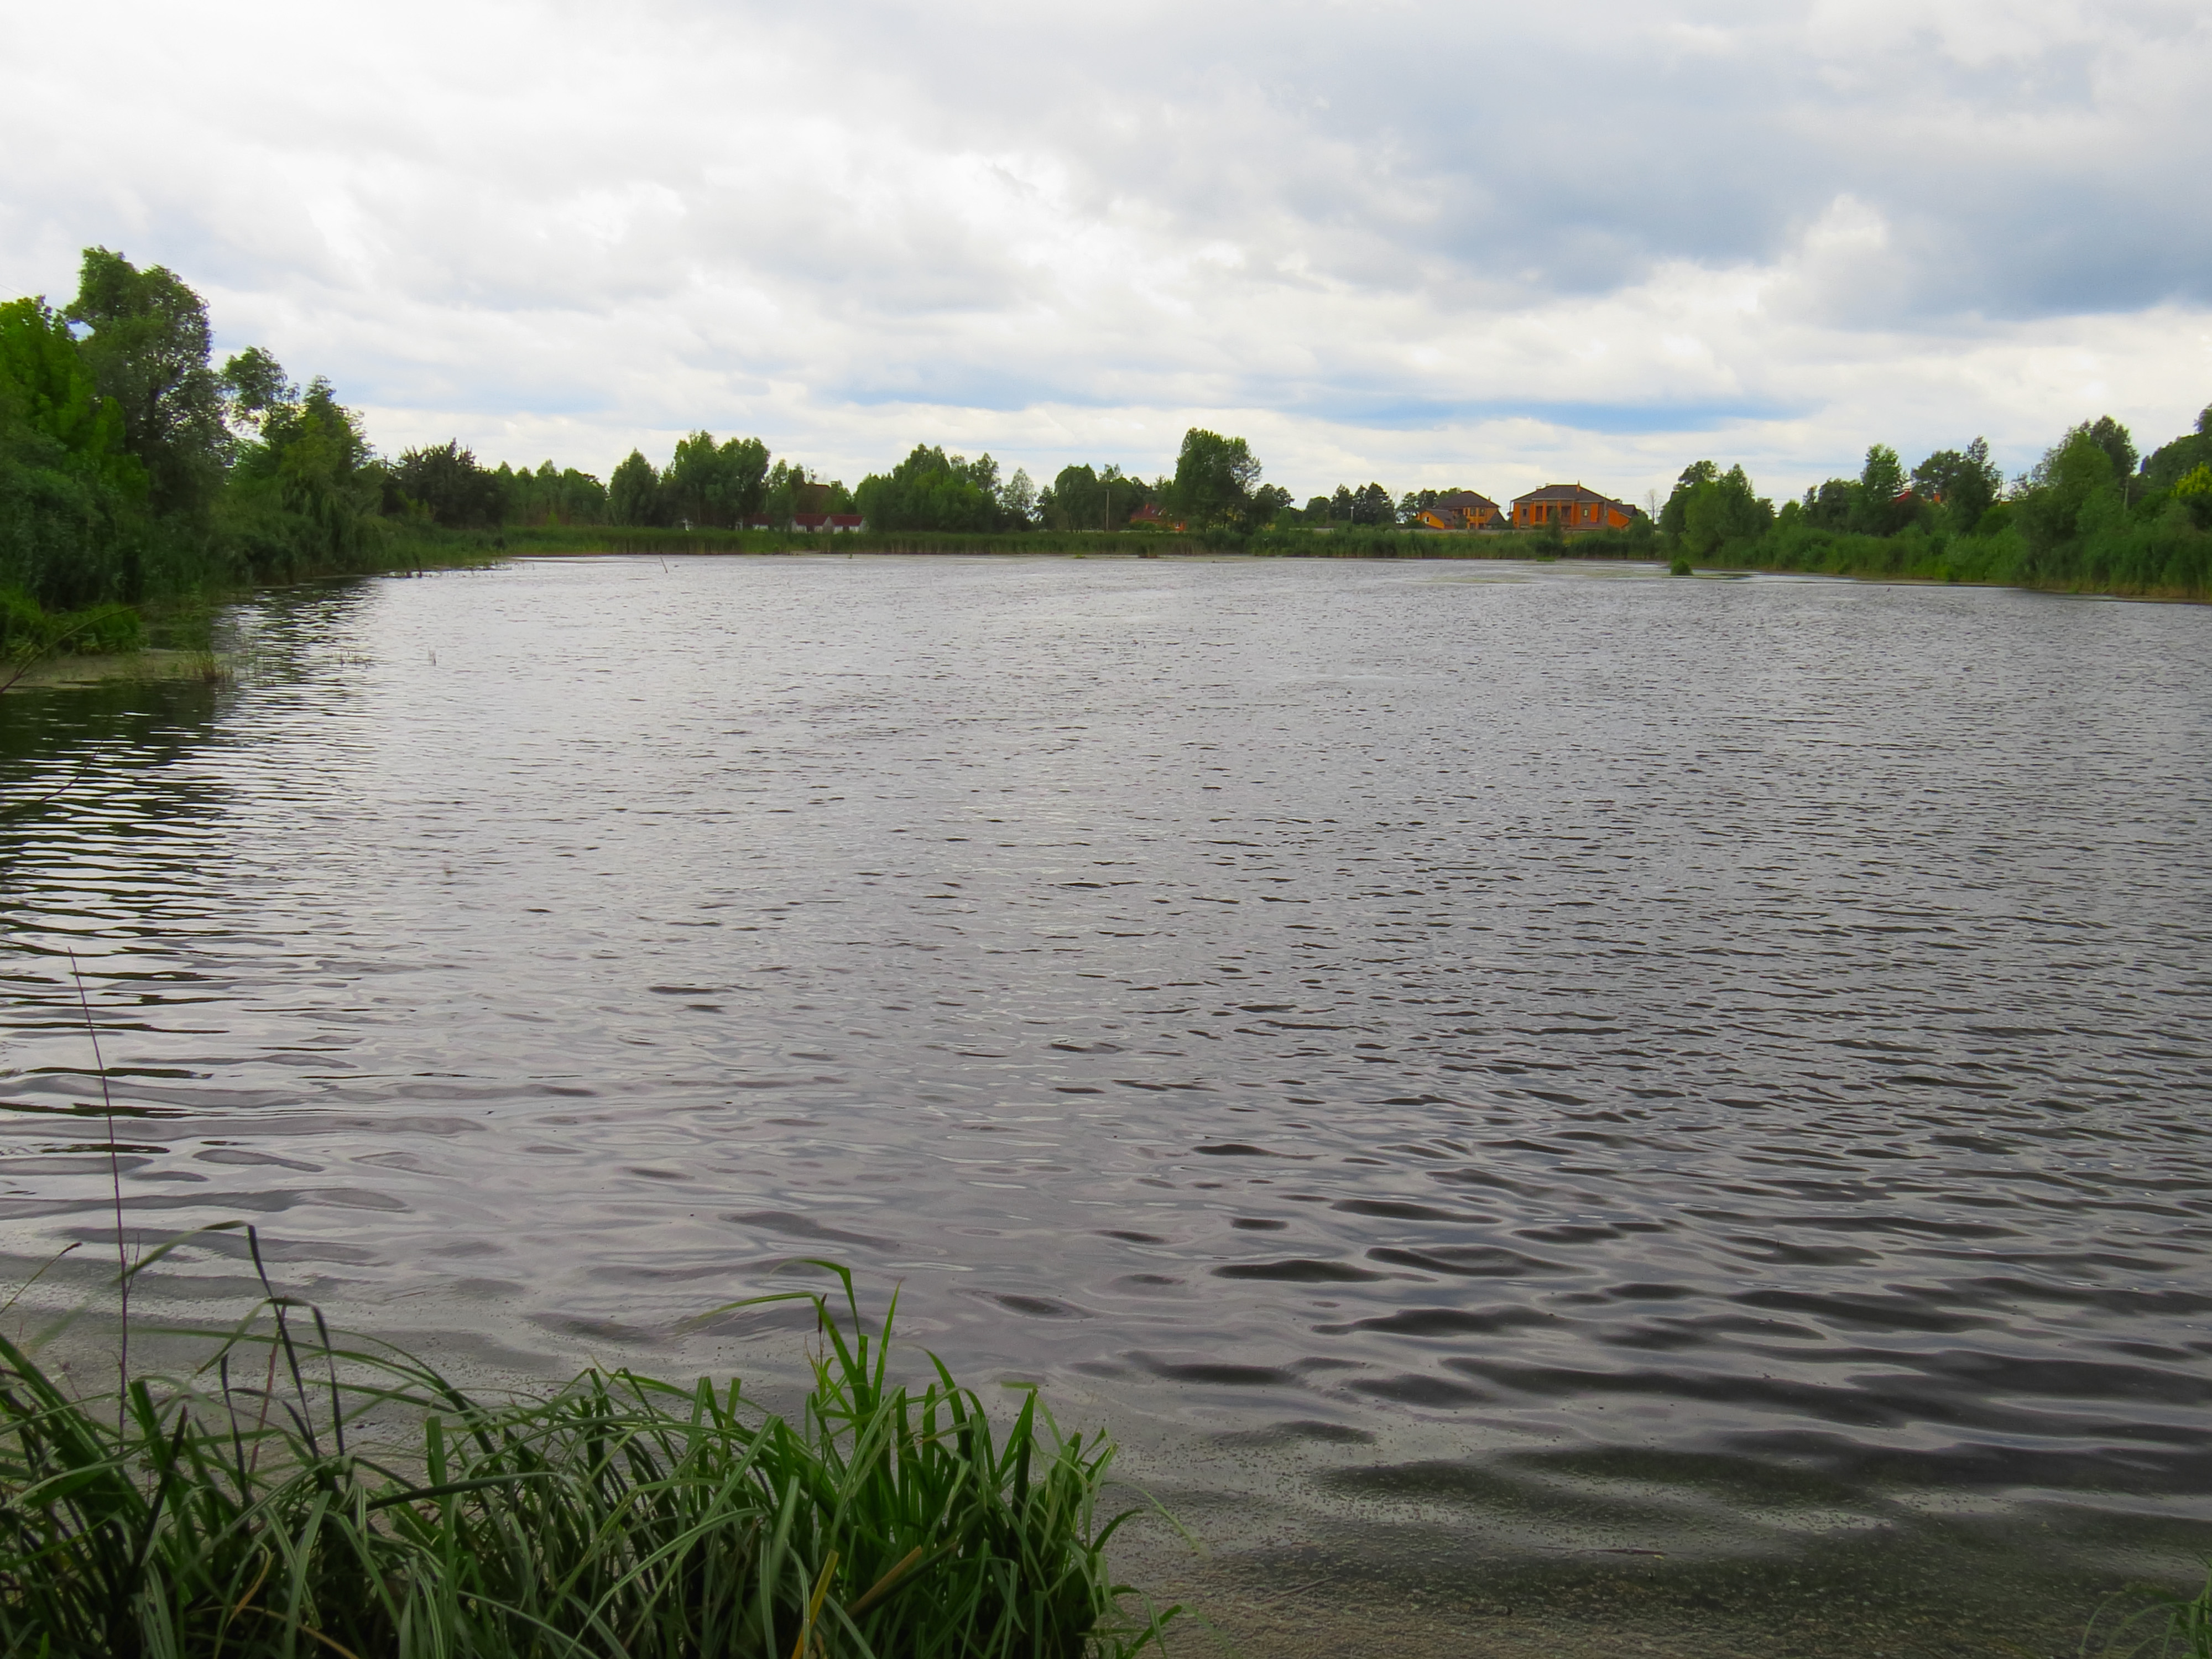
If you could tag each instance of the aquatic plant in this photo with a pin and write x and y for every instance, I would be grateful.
(2160, 1626)
(294, 1496)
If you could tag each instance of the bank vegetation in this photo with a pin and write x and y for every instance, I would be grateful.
(141, 484)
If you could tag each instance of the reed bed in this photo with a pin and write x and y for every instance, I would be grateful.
(295, 1496)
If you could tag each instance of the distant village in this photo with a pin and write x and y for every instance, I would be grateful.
(1565, 507)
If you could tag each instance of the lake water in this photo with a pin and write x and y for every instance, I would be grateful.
(1540, 1054)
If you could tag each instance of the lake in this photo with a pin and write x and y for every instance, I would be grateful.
(1479, 1072)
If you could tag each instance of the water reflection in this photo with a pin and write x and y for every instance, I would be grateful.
(1550, 1025)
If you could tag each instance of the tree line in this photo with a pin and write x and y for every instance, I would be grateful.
(2093, 514)
(132, 466)
(732, 484)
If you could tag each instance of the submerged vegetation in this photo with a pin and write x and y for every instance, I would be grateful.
(294, 1496)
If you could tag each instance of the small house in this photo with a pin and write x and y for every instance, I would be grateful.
(1570, 507)
(1462, 509)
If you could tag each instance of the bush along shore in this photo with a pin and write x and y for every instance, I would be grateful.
(142, 485)
(2091, 517)
(297, 1496)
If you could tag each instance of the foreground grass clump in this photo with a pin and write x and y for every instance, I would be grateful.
(2156, 1624)
(342, 1501)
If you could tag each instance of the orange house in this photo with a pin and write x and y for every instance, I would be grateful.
(1571, 507)
(1461, 510)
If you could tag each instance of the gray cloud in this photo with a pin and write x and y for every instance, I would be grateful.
(1426, 242)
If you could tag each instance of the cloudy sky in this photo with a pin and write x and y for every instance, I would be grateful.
(1472, 243)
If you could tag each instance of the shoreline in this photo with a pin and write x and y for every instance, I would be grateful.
(1304, 1547)
(169, 664)
(69, 671)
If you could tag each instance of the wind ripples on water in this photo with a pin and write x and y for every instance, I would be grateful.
(1758, 1020)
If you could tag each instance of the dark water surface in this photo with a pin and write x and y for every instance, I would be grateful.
(1737, 1043)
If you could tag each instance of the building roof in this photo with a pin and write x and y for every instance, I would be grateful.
(1461, 499)
(1573, 492)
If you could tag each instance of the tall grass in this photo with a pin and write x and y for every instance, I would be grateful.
(2153, 1623)
(297, 1496)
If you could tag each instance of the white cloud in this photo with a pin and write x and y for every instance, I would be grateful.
(1423, 243)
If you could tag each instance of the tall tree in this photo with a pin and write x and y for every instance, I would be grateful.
(1214, 479)
(2170, 463)
(1880, 506)
(634, 492)
(717, 484)
(2062, 488)
(71, 522)
(1678, 503)
(931, 490)
(2118, 445)
(1372, 506)
(148, 349)
(1965, 481)
(253, 384)
(303, 492)
(1076, 500)
(447, 482)
(1711, 510)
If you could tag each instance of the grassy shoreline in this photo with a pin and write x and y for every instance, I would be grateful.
(293, 1495)
(171, 639)
(1994, 562)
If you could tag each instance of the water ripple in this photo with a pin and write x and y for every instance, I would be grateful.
(1759, 1023)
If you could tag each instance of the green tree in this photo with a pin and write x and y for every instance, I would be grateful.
(2193, 489)
(1082, 499)
(551, 495)
(1724, 512)
(1830, 506)
(1711, 510)
(148, 349)
(1214, 480)
(1073, 500)
(1965, 481)
(1876, 507)
(71, 495)
(2063, 487)
(634, 492)
(719, 485)
(780, 497)
(2118, 445)
(1671, 516)
(2169, 463)
(49, 391)
(302, 493)
(931, 490)
(1372, 506)
(1414, 502)
(448, 483)
(252, 383)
